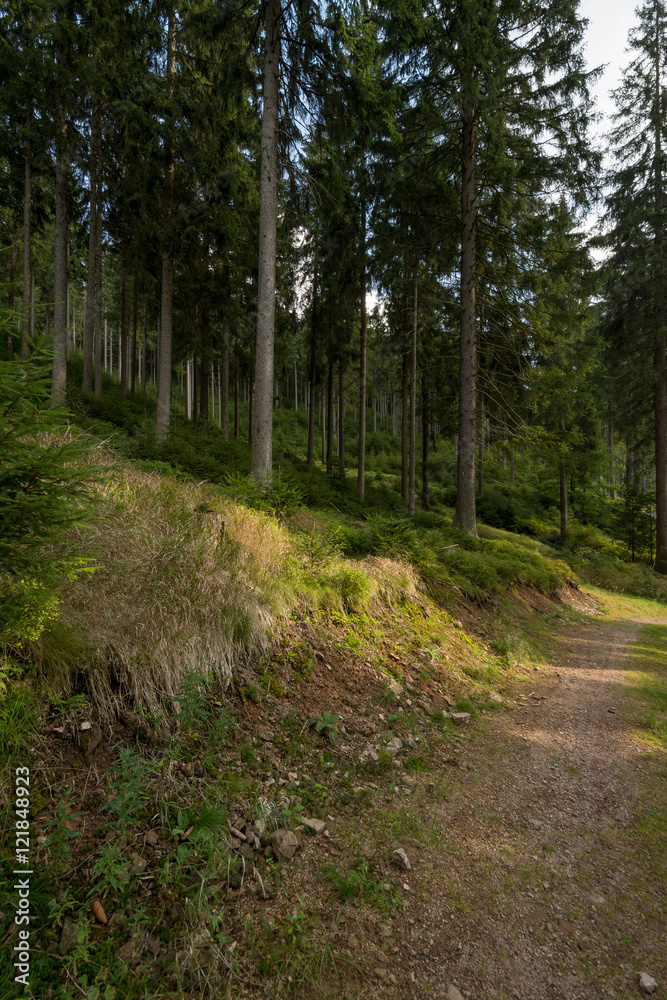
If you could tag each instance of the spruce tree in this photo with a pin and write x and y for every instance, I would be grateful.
(635, 310)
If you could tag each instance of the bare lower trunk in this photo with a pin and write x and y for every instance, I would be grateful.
(563, 504)
(311, 377)
(361, 456)
(465, 517)
(236, 392)
(203, 392)
(262, 431)
(143, 349)
(11, 297)
(166, 305)
(89, 315)
(330, 418)
(59, 383)
(124, 330)
(480, 464)
(99, 363)
(133, 348)
(27, 199)
(341, 419)
(224, 387)
(425, 432)
(413, 390)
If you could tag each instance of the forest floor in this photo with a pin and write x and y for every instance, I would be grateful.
(538, 867)
(536, 834)
(552, 881)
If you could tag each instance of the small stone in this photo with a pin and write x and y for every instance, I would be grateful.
(68, 937)
(138, 863)
(198, 769)
(152, 838)
(453, 993)
(292, 776)
(395, 688)
(536, 823)
(247, 852)
(259, 827)
(460, 719)
(647, 983)
(411, 977)
(394, 746)
(284, 844)
(89, 737)
(368, 755)
(237, 833)
(400, 858)
(597, 900)
(316, 825)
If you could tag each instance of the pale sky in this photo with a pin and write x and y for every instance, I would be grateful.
(606, 41)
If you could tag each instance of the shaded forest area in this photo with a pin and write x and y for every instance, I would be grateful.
(351, 243)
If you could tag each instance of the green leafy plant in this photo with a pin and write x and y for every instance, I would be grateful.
(193, 699)
(130, 787)
(111, 870)
(325, 722)
(58, 834)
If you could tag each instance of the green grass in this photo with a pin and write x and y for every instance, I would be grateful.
(648, 682)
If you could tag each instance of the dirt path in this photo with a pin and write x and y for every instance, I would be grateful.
(547, 889)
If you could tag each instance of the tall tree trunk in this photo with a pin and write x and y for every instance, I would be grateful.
(311, 375)
(195, 394)
(89, 315)
(480, 464)
(203, 392)
(659, 361)
(413, 388)
(124, 327)
(361, 456)
(323, 422)
(330, 417)
(11, 297)
(341, 419)
(133, 349)
(237, 431)
(465, 517)
(405, 457)
(165, 338)
(99, 226)
(262, 432)
(224, 388)
(143, 349)
(27, 199)
(425, 432)
(563, 504)
(59, 382)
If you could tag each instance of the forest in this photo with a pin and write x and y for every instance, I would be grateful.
(374, 216)
(333, 501)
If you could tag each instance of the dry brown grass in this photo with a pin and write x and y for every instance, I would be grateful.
(168, 596)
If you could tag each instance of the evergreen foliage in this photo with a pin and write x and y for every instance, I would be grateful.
(43, 492)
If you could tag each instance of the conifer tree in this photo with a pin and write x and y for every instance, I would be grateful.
(636, 312)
